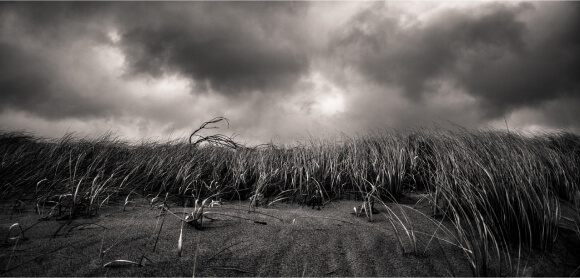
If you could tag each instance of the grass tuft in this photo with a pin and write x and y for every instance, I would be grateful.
(499, 189)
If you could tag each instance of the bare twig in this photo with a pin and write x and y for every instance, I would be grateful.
(224, 249)
(195, 255)
(330, 218)
(123, 263)
(232, 268)
(216, 139)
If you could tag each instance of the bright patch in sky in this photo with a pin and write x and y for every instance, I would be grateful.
(111, 58)
(171, 87)
(332, 104)
(329, 99)
(114, 36)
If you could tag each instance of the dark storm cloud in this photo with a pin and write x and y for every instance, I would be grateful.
(545, 70)
(488, 52)
(277, 68)
(28, 82)
(54, 22)
(33, 41)
(232, 47)
(226, 47)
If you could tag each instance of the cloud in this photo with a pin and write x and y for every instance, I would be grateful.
(494, 53)
(230, 48)
(42, 53)
(30, 81)
(281, 70)
(99, 61)
(561, 113)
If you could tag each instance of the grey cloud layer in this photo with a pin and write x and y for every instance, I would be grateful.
(35, 40)
(32, 82)
(506, 56)
(485, 51)
(236, 47)
(230, 48)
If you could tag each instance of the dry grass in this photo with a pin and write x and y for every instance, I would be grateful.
(499, 189)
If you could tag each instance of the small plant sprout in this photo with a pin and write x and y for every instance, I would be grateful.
(215, 203)
(59, 205)
(196, 217)
(256, 201)
(280, 197)
(154, 203)
(11, 237)
(368, 205)
(316, 200)
(127, 201)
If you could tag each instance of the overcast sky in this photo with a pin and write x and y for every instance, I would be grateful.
(282, 70)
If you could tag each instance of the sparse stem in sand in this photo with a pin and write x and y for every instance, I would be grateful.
(324, 217)
(161, 213)
(195, 254)
(127, 262)
(180, 240)
(224, 249)
(120, 263)
(15, 238)
(236, 269)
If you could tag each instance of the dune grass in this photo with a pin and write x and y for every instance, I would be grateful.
(499, 189)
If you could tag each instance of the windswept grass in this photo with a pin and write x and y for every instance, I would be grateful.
(499, 189)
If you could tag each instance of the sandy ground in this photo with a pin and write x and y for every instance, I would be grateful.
(280, 240)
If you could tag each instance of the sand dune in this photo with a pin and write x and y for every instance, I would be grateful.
(281, 240)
